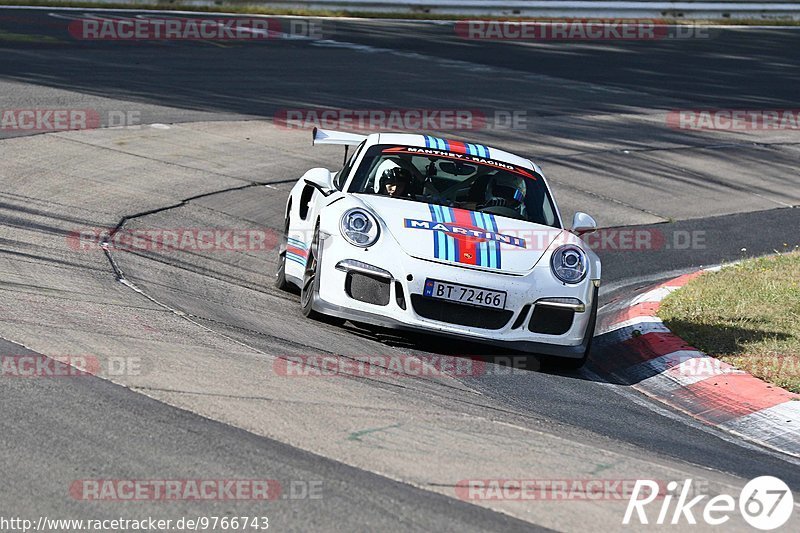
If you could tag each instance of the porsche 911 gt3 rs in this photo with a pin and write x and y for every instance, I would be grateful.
(452, 238)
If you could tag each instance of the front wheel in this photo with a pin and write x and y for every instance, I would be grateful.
(310, 277)
(280, 281)
(577, 364)
(311, 284)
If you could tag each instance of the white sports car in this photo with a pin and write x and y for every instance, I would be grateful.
(451, 238)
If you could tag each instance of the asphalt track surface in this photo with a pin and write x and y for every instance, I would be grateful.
(207, 327)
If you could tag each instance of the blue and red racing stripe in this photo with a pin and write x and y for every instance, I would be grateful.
(456, 146)
(297, 251)
(494, 250)
(444, 245)
(489, 251)
(465, 249)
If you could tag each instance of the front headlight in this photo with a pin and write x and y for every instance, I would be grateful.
(359, 227)
(569, 264)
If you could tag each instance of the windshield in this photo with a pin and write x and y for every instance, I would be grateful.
(455, 180)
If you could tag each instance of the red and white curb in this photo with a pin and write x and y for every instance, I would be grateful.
(661, 365)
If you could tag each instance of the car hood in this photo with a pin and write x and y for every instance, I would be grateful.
(460, 237)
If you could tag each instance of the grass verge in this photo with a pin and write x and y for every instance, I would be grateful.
(747, 315)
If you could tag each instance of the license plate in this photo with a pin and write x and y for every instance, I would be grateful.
(465, 294)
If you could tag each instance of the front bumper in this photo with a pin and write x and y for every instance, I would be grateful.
(408, 275)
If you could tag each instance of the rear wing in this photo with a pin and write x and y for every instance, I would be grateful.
(336, 137)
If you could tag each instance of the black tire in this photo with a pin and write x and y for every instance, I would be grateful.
(310, 277)
(311, 284)
(280, 273)
(575, 364)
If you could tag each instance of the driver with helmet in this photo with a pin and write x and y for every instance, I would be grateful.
(396, 182)
(505, 195)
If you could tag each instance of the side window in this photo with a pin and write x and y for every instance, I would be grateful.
(547, 211)
(343, 174)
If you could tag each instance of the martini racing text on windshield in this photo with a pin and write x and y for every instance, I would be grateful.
(457, 175)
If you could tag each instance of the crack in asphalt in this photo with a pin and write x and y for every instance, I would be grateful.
(191, 318)
(120, 276)
(285, 341)
(188, 267)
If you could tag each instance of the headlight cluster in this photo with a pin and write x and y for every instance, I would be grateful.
(359, 227)
(569, 264)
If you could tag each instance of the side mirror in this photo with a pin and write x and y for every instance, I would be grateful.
(583, 223)
(320, 179)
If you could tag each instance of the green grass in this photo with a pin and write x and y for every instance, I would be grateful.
(747, 315)
(243, 7)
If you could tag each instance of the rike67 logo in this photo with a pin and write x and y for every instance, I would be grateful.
(766, 503)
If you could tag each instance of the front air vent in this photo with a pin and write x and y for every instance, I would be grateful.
(551, 320)
(367, 289)
(399, 295)
(462, 315)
